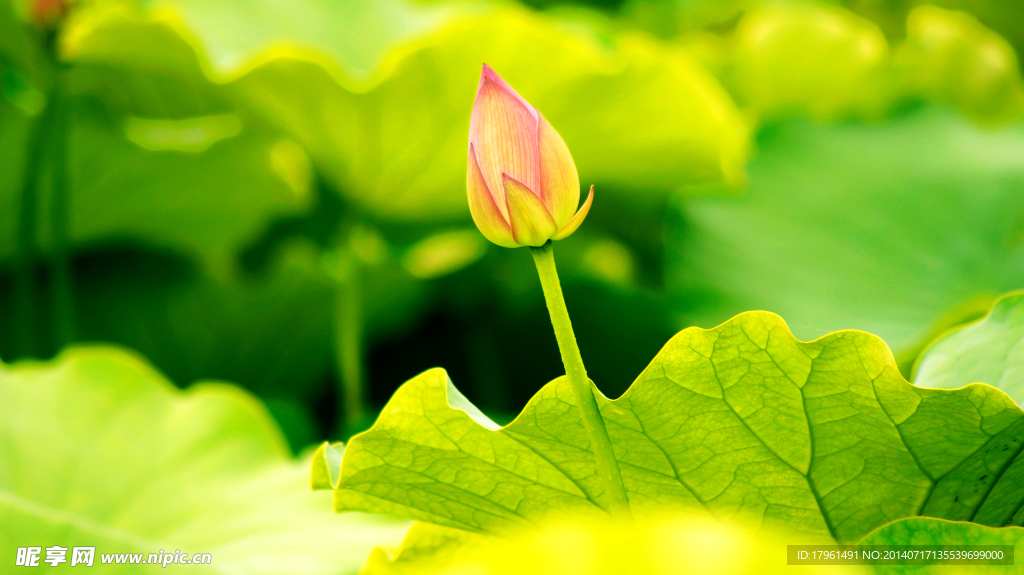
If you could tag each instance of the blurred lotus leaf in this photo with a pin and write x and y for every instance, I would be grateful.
(156, 152)
(668, 18)
(99, 450)
(356, 34)
(902, 230)
(1006, 17)
(821, 439)
(808, 59)
(209, 203)
(823, 62)
(404, 158)
(949, 57)
(989, 351)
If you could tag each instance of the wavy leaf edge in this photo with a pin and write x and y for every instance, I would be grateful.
(995, 401)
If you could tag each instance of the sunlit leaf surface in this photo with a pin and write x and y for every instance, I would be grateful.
(666, 546)
(989, 351)
(97, 449)
(679, 544)
(821, 439)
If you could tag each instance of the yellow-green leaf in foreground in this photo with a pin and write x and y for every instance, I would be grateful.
(821, 439)
(677, 544)
(98, 450)
(666, 546)
(990, 351)
(426, 547)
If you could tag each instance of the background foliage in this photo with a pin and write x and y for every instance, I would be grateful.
(271, 192)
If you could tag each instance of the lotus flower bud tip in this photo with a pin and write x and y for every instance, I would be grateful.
(522, 183)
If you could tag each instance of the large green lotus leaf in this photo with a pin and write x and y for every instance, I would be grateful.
(157, 153)
(677, 544)
(97, 449)
(818, 439)
(901, 229)
(397, 145)
(989, 351)
(927, 531)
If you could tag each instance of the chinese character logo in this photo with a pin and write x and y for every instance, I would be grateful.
(56, 555)
(82, 556)
(28, 556)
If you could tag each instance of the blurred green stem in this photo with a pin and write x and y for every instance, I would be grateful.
(348, 338)
(607, 465)
(60, 263)
(47, 137)
(24, 282)
(24, 279)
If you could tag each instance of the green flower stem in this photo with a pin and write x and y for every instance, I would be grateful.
(25, 288)
(63, 294)
(607, 465)
(25, 280)
(47, 147)
(348, 337)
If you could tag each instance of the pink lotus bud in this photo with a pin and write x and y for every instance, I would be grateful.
(523, 186)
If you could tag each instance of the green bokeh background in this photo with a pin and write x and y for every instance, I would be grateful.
(271, 192)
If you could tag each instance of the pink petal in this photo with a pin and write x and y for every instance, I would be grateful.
(560, 184)
(503, 132)
(482, 207)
